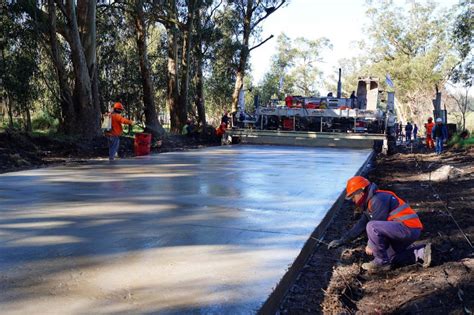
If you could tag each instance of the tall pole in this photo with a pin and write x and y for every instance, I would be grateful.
(339, 85)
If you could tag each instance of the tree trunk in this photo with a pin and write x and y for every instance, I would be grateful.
(87, 17)
(185, 60)
(172, 88)
(244, 53)
(198, 78)
(10, 112)
(199, 99)
(66, 102)
(6, 98)
(87, 115)
(151, 119)
(28, 127)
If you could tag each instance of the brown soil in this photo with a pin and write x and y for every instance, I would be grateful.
(332, 282)
(19, 151)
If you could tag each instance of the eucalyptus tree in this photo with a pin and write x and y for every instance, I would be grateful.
(295, 67)
(140, 22)
(413, 46)
(463, 43)
(278, 81)
(250, 13)
(19, 65)
(75, 23)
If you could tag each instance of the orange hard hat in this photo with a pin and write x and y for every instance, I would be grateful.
(118, 106)
(355, 184)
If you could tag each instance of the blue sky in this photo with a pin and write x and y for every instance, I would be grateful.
(342, 21)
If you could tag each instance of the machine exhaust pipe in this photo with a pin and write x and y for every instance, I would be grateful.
(339, 85)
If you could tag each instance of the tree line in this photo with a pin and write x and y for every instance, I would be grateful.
(72, 58)
(68, 60)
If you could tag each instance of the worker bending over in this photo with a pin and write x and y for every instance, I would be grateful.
(391, 224)
(114, 134)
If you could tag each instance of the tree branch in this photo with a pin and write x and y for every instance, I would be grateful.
(256, 46)
(268, 13)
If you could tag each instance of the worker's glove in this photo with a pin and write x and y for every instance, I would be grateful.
(335, 243)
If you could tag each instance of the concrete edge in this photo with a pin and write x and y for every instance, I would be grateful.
(272, 304)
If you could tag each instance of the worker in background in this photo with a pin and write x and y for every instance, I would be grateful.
(408, 130)
(428, 128)
(221, 130)
(353, 98)
(114, 134)
(415, 132)
(440, 134)
(391, 224)
(225, 118)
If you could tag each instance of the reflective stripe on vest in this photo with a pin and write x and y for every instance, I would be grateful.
(403, 213)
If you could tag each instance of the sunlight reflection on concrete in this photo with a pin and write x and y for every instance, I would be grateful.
(206, 231)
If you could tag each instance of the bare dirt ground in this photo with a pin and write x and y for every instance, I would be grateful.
(19, 151)
(332, 282)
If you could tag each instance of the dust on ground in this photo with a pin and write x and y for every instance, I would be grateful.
(332, 282)
(20, 151)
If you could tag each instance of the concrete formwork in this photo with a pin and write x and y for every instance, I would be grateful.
(209, 231)
(304, 138)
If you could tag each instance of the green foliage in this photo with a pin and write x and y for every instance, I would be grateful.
(44, 121)
(19, 60)
(413, 47)
(221, 55)
(295, 64)
(463, 41)
(457, 141)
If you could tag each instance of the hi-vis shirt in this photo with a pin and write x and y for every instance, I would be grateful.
(117, 121)
(384, 206)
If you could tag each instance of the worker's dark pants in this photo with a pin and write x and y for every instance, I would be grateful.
(439, 145)
(114, 143)
(408, 137)
(390, 242)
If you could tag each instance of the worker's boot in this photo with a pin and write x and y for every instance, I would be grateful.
(373, 267)
(427, 256)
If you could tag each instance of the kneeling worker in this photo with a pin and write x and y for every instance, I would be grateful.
(391, 224)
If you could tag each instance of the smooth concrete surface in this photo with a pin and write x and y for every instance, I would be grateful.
(205, 232)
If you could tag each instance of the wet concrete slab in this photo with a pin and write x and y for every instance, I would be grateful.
(208, 231)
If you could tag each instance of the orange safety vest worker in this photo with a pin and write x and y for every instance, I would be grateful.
(429, 141)
(403, 213)
(117, 121)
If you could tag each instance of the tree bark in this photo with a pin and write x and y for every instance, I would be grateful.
(28, 127)
(198, 78)
(244, 53)
(10, 112)
(172, 87)
(7, 99)
(185, 61)
(151, 119)
(87, 20)
(66, 102)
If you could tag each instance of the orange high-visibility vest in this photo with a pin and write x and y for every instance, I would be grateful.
(429, 128)
(403, 213)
